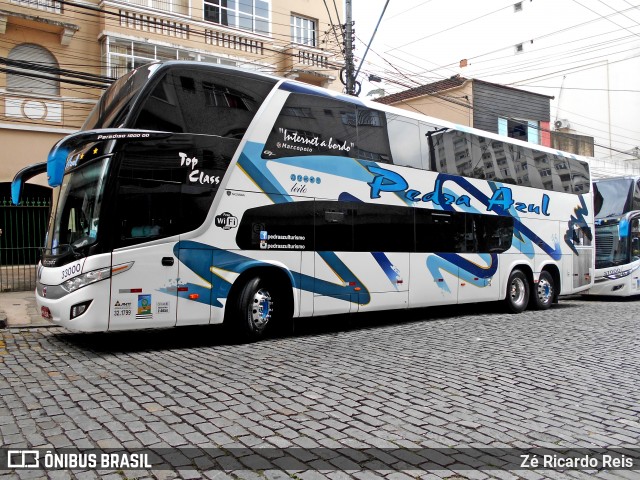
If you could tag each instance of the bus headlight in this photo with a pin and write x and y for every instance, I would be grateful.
(93, 276)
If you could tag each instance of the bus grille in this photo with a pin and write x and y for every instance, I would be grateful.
(604, 244)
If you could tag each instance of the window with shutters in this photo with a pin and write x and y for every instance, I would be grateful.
(33, 69)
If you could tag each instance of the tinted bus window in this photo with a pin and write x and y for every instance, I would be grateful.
(166, 189)
(372, 137)
(191, 100)
(334, 226)
(404, 141)
(460, 153)
(459, 232)
(313, 125)
(383, 228)
(283, 226)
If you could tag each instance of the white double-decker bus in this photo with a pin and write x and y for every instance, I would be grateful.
(617, 236)
(199, 194)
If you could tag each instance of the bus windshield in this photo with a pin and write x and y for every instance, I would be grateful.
(76, 221)
(612, 249)
(612, 197)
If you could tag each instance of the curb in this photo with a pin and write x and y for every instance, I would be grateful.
(27, 326)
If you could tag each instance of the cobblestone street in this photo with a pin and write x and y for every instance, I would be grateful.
(440, 378)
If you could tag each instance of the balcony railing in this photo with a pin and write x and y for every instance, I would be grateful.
(52, 6)
(235, 42)
(311, 58)
(153, 24)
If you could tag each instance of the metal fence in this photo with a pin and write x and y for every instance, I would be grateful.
(23, 228)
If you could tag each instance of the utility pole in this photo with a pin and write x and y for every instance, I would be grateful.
(349, 68)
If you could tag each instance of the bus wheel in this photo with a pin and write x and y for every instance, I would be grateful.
(517, 292)
(542, 294)
(256, 308)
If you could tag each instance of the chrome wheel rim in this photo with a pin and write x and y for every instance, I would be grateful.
(518, 291)
(261, 308)
(545, 291)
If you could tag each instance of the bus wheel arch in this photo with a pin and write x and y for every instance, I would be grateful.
(545, 290)
(518, 289)
(260, 300)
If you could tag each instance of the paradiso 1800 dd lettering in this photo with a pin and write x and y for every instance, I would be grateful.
(501, 200)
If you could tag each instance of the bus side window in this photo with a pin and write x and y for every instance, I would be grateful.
(312, 125)
(439, 231)
(404, 141)
(373, 139)
(334, 226)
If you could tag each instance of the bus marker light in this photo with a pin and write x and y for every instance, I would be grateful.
(357, 289)
(135, 290)
(183, 289)
(462, 284)
(45, 312)
(352, 284)
(194, 296)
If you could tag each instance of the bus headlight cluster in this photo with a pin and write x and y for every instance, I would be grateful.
(93, 276)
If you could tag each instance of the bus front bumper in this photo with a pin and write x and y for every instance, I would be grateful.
(84, 310)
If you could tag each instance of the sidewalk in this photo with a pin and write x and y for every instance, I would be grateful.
(19, 310)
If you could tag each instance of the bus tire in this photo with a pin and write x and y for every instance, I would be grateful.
(543, 292)
(255, 310)
(517, 292)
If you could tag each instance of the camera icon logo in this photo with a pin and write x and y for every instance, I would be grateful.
(23, 459)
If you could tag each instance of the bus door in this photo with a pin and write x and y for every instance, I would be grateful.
(145, 296)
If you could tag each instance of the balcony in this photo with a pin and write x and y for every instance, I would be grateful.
(309, 65)
(235, 42)
(51, 6)
(153, 24)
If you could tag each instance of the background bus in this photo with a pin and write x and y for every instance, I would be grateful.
(202, 194)
(617, 228)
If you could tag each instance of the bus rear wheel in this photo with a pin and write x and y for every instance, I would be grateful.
(255, 310)
(543, 293)
(517, 292)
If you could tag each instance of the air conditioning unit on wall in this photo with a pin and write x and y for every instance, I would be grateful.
(561, 124)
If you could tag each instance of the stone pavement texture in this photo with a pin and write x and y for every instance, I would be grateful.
(464, 376)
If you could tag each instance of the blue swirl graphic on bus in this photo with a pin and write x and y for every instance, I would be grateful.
(460, 267)
(580, 223)
(202, 259)
(501, 202)
(382, 180)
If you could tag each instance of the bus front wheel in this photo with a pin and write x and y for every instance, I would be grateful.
(255, 309)
(517, 292)
(543, 293)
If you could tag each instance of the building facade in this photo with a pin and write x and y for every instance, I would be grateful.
(488, 106)
(57, 57)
